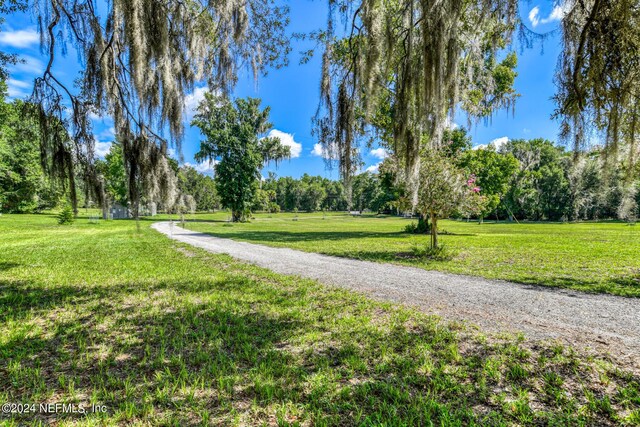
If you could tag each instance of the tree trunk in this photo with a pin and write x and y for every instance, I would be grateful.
(434, 231)
(423, 221)
(73, 195)
(236, 216)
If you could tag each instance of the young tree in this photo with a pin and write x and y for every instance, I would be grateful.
(232, 139)
(441, 189)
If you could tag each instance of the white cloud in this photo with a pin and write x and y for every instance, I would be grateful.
(374, 168)
(18, 83)
(287, 139)
(379, 153)
(109, 133)
(19, 38)
(192, 100)
(534, 16)
(102, 148)
(496, 143)
(558, 12)
(28, 64)
(450, 124)
(320, 151)
(18, 88)
(499, 142)
(98, 117)
(206, 167)
(15, 93)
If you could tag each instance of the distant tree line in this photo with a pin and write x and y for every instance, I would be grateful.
(524, 180)
(521, 180)
(532, 180)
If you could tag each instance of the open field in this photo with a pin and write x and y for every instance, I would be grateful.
(162, 333)
(594, 257)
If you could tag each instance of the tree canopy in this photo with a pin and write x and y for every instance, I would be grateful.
(420, 58)
(232, 141)
(139, 60)
(598, 75)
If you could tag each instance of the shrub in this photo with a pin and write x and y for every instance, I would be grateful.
(274, 207)
(421, 227)
(66, 216)
(425, 251)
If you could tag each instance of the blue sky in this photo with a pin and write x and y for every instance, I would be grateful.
(292, 92)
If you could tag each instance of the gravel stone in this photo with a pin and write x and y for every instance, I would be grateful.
(589, 321)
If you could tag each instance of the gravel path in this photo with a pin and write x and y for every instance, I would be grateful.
(600, 322)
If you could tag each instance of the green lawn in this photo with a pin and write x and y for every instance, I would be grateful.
(598, 257)
(165, 334)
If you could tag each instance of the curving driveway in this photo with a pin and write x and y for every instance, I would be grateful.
(602, 322)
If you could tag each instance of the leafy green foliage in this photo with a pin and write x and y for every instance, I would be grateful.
(493, 173)
(541, 188)
(200, 186)
(115, 176)
(309, 193)
(420, 227)
(232, 131)
(23, 185)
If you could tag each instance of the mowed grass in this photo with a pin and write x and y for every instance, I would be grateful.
(165, 334)
(594, 257)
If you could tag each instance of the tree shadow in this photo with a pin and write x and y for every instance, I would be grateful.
(144, 349)
(622, 286)
(182, 359)
(302, 236)
(4, 266)
(18, 299)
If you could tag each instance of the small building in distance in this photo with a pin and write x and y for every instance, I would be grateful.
(119, 211)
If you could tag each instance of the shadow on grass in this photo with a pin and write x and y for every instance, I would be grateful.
(4, 266)
(207, 351)
(302, 236)
(623, 286)
(22, 298)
